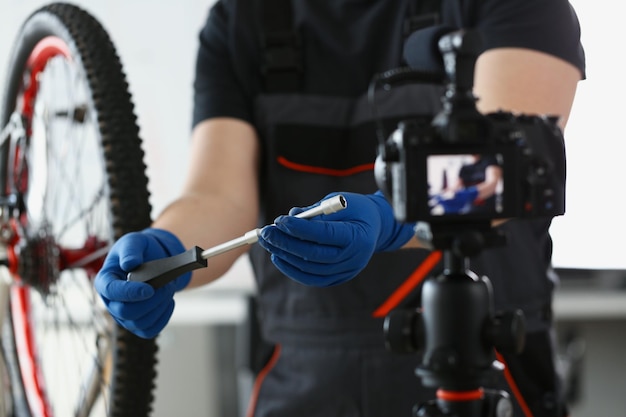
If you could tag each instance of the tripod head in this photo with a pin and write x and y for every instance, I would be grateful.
(458, 332)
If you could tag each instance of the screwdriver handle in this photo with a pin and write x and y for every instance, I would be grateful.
(161, 271)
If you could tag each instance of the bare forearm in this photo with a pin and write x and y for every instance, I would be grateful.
(200, 221)
(219, 201)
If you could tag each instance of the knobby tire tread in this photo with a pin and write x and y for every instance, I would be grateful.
(135, 359)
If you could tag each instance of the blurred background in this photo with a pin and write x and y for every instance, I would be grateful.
(198, 374)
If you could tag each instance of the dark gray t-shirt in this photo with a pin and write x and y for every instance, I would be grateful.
(340, 58)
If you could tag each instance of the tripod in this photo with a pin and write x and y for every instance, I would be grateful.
(458, 332)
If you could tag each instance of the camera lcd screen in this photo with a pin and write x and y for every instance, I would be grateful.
(465, 185)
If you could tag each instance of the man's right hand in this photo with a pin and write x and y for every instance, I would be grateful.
(137, 306)
(330, 249)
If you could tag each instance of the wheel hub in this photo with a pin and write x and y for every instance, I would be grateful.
(38, 260)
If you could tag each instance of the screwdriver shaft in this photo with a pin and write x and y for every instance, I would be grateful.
(328, 206)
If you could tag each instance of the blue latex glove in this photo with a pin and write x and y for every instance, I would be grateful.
(461, 201)
(136, 305)
(333, 248)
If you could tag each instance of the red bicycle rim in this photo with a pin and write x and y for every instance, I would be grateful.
(30, 371)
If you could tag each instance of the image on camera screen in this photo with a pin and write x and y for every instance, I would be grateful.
(465, 184)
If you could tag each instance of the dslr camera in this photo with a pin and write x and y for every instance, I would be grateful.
(418, 165)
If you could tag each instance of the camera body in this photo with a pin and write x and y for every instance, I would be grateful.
(421, 164)
(431, 165)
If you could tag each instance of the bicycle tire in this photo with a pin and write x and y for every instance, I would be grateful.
(62, 35)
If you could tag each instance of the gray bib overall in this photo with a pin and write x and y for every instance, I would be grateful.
(330, 358)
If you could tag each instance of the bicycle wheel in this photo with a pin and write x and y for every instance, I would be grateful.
(72, 181)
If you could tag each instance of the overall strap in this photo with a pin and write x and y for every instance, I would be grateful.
(460, 13)
(281, 47)
(282, 55)
(422, 14)
(456, 13)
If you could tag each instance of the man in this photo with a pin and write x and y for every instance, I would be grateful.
(280, 120)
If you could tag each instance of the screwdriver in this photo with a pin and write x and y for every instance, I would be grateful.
(161, 271)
